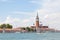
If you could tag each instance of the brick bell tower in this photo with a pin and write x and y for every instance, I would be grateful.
(37, 24)
(37, 21)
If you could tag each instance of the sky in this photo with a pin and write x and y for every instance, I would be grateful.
(22, 13)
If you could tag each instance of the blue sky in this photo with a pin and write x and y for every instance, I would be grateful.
(23, 12)
(9, 7)
(16, 9)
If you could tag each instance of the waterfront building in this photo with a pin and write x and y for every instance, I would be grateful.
(38, 26)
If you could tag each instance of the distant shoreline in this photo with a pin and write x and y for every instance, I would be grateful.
(23, 31)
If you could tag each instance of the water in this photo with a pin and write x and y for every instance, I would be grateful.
(29, 36)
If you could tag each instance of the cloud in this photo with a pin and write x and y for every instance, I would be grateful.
(11, 20)
(50, 10)
(21, 13)
(17, 22)
(35, 1)
(26, 20)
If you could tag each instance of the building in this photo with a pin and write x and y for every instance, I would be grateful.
(38, 26)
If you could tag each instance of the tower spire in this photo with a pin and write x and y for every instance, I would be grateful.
(37, 13)
(37, 16)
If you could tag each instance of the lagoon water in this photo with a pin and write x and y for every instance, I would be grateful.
(29, 36)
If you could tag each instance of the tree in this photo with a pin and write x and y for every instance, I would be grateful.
(6, 26)
(29, 29)
(3, 26)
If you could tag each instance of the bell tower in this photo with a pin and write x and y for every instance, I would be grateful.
(37, 21)
(37, 24)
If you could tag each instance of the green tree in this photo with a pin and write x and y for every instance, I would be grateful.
(29, 29)
(6, 26)
(3, 26)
